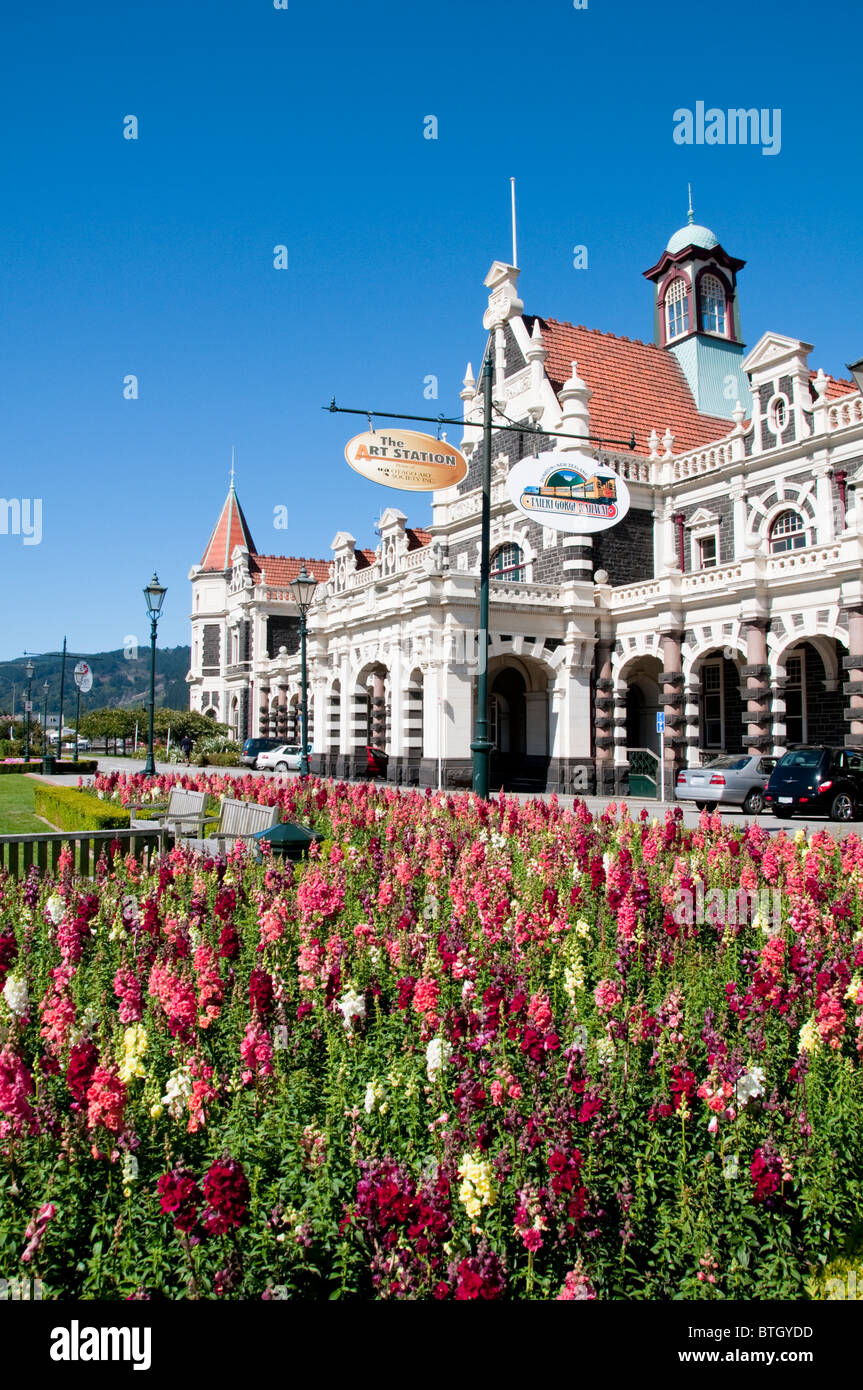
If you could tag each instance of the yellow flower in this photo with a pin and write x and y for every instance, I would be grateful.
(135, 1043)
(477, 1189)
(809, 1039)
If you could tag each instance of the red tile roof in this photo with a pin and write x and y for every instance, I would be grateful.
(636, 386)
(836, 386)
(231, 530)
(279, 570)
(417, 537)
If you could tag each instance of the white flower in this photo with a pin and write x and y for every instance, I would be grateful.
(579, 1037)
(582, 928)
(130, 1168)
(605, 1050)
(730, 1166)
(750, 1086)
(607, 860)
(16, 995)
(351, 1006)
(56, 908)
(374, 1096)
(101, 796)
(438, 1054)
(177, 1091)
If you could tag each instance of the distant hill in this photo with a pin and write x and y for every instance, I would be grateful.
(118, 681)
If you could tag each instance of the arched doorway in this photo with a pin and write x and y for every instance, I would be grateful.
(518, 724)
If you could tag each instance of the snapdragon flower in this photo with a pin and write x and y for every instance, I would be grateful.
(438, 1054)
(16, 994)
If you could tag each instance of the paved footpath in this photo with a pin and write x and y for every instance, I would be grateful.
(595, 804)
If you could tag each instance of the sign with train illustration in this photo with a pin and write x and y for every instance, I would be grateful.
(568, 492)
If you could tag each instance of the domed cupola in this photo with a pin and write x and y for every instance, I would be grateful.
(697, 318)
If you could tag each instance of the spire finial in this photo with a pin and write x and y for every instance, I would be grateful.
(691, 214)
(232, 467)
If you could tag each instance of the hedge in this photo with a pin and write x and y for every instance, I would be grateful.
(79, 769)
(69, 809)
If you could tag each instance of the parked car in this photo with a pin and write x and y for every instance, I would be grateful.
(253, 746)
(819, 780)
(730, 780)
(285, 757)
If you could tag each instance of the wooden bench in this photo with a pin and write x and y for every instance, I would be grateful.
(184, 814)
(237, 820)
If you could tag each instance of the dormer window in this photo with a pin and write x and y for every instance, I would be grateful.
(712, 293)
(787, 533)
(677, 309)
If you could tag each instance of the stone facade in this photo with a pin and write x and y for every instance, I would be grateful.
(591, 636)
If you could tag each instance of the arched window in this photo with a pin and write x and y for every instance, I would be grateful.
(507, 563)
(677, 309)
(712, 295)
(787, 533)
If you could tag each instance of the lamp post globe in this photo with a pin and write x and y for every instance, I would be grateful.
(154, 593)
(29, 669)
(303, 592)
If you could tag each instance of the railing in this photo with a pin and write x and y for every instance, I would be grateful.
(714, 578)
(702, 461)
(814, 557)
(515, 591)
(19, 853)
(847, 411)
(644, 766)
(633, 594)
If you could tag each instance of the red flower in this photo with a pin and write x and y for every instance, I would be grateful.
(226, 1189)
(180, 1198)
(260, 993)
(83, 1060)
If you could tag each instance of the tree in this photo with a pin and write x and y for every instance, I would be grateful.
(185, 721)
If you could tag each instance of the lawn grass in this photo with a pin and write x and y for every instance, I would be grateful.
(17, 815)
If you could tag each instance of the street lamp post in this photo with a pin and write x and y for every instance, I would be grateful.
(481, 746)
(29, 668)
(44, 719)
(155, 596)
(303, 592)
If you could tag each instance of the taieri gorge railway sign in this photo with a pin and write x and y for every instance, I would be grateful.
(568, 492)
(406, 460)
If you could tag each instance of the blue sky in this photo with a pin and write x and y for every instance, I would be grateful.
(304, 127)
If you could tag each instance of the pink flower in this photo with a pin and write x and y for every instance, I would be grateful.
(16, 1085)
(106, 1100)
(607, 995)
(36, 1230)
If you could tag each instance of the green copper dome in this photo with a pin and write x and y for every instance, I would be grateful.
(693, 234)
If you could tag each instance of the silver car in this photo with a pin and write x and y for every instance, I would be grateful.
(284, 758)
(731, 780)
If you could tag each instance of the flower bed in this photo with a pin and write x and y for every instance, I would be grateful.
(465, 1051)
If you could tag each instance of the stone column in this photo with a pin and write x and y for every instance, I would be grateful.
(756, 673)
(603, 721)
(671, 700)
(264, 711)
(853, 687)
(282, 713)
(377, 692)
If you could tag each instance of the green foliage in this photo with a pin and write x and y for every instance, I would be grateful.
(69, 809)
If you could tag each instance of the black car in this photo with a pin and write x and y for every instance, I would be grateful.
(253, 746)
(818, 781)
